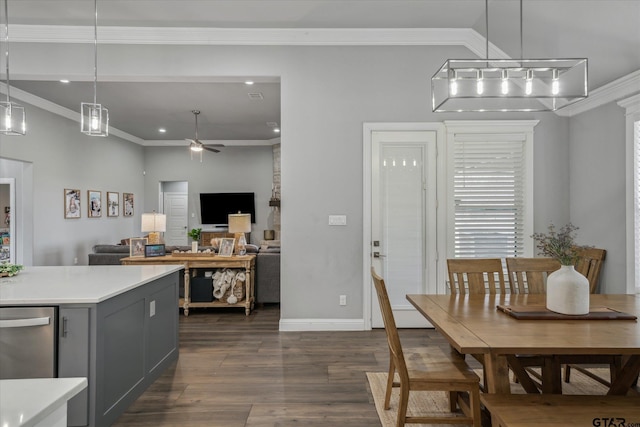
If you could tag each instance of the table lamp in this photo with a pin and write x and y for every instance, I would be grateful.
(239, 224)
(154, 223)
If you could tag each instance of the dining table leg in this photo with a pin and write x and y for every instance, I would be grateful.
(551, 375)
(496, 370)
(627, 376)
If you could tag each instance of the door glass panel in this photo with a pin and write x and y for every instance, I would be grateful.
(402, 199)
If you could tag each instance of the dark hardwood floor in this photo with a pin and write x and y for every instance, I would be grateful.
(236, 370)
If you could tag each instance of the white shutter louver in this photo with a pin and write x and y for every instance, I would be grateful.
(489, 194)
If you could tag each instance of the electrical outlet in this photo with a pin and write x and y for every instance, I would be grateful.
(343, 300)
(337, 220)
(152, 308)
(75, 260)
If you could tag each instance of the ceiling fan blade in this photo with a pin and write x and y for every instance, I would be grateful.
(210, 149)
(214, 145)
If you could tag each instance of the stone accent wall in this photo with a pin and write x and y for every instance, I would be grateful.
(276, 190)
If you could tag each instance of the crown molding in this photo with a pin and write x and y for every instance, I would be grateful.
(614, 91)
(245, 36)
(631, 104)
(49, 106)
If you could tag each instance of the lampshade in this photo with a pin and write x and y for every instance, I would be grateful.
(239, 223)
(154, 222)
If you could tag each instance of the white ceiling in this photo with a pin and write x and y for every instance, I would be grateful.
(607, 32)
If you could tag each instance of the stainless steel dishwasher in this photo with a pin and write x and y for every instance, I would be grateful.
(28, 342)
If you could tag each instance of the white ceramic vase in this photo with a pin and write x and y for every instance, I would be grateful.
(194, 247)
(568, 291)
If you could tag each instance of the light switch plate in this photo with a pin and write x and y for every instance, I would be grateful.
(337, 220)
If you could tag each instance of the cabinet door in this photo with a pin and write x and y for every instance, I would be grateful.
(73, 359)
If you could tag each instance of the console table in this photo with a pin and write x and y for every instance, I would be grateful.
(193, 262)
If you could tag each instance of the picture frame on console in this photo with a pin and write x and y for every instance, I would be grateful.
(226, 247)
(137, 246)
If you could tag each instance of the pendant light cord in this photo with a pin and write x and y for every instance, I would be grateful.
(95, 53)
(486, 23)
(6, 40)
(521, 49)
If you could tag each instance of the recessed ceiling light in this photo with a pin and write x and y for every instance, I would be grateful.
(162, 130)
(248, 82)
(64, 81)
(276, 130)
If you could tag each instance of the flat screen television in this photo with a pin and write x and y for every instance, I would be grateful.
(216, 207)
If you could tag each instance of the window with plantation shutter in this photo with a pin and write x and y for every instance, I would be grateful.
(490, 192)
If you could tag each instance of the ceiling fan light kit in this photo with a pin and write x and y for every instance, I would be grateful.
(504, 85)
(196, 146)
(13, 120)
(94, 119)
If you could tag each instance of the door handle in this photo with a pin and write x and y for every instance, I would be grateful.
(378, 255)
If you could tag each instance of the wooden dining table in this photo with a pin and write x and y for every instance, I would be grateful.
(473, 325)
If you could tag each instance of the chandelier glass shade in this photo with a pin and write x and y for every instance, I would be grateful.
(94, 119)
(13, 119)
(501, 85)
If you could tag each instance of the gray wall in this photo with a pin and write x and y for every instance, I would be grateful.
(597, 191)
(233, 169)
(60, 157)
(327, 94)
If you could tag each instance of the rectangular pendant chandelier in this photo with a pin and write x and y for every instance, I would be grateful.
(501, 85)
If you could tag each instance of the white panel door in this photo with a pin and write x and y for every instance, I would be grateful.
(403, 220)
(176, 209)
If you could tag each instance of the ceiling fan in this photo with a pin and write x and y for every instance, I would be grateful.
(196, 145)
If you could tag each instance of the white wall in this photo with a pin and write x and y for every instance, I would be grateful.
(597, 191)
(327, 93)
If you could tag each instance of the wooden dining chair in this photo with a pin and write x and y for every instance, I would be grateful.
(447, 374)
(476, 276)
(529, 275)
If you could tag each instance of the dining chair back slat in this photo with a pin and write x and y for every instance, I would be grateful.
(590, 264)
(529, 275)
(476, 276)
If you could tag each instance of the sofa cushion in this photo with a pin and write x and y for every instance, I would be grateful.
(111, 249)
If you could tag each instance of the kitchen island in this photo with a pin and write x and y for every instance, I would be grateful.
(115, 325)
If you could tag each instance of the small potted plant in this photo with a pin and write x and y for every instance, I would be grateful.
(567, 289)
(195, 235)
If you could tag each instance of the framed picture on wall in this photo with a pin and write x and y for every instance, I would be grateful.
(127, 201)
(137, 245)
(113, 203)
(71, 203)
(95, 203)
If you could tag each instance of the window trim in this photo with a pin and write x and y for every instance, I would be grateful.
(521, 129)
(632, 113)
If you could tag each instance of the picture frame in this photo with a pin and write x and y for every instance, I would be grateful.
(137, 246)
(113, 203)
(154, 250)
(94, 204)
(226, 247)
(127, 203)
(72, 207)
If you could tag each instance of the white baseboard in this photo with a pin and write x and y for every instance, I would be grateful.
(298, 325)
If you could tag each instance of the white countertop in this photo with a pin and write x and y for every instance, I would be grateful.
(28, 402)
(78, 284)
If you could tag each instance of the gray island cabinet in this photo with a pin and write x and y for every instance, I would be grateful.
(116, 325)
